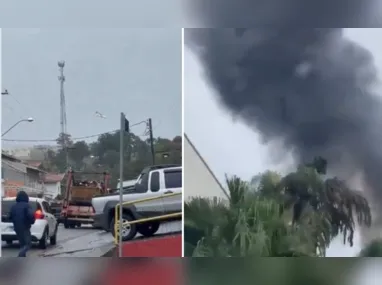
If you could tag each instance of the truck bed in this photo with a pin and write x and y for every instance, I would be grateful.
(83, 194)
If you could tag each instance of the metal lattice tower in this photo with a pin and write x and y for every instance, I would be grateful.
(61, 78)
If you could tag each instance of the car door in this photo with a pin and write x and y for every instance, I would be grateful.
(172, 184)
(50, 217)
(151, 208)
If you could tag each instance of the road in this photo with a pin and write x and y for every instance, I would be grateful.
(80, 242)
(64, 236)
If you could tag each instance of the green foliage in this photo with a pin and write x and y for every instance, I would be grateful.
(373, 249)
(295, 215)
(104, 155)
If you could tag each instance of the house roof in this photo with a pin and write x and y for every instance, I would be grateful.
(206, 165)
(34, 163)
(53, 178)
(9, 157)
(18, 164)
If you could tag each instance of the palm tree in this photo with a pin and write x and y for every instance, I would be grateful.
(246, 224)
(296, 215)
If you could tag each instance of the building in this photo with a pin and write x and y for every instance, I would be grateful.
(52, 184)
(199, 180)
(17, 175)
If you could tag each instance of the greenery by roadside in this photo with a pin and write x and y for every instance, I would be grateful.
(104, 154)
(277, 216)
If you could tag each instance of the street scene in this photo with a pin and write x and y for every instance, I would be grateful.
(91, 142)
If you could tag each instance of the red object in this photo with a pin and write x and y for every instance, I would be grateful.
(145, 272)
(166, 246)
(39, 215)
(69, 208)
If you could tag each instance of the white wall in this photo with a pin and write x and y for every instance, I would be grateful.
(52, 189)
(198, 179)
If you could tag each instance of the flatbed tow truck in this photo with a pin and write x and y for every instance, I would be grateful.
(77, 206)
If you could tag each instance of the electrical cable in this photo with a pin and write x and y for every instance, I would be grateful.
(73, 139)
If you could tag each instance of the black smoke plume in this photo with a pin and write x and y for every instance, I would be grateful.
(311, 88)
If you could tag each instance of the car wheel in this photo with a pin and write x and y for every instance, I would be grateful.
(53, 239)
(128, 231)
(148, 229)
(43, 243)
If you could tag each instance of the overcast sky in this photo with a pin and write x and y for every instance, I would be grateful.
(229, 146)
(135, 71)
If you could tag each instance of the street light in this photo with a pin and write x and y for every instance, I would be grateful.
(29, 120)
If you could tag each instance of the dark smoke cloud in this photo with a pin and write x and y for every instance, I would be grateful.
(310, 88)
(297, 13)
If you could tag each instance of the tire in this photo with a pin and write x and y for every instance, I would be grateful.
(148, 229)
(53, 239)
(43, 242)
(132, 228)
(66, 224)
(9, 242)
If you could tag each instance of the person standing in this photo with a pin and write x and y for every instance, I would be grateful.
(22, 217)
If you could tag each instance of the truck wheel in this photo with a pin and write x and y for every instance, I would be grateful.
(148, 229)
(66, 225)
(129, 231)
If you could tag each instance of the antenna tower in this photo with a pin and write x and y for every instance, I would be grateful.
(61, 78)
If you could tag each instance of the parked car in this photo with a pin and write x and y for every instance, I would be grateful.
(44, 230)
(154, 181)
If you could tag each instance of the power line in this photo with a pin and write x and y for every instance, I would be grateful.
(73, 139)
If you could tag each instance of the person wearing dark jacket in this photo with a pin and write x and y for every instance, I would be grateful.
(22, 217)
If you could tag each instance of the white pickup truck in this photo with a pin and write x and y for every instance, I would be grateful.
(154, 181)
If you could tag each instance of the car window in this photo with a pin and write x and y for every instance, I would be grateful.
(142, 183)
(173, 178)
(154, 184)
(6, 206)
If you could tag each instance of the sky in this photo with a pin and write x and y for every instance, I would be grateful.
(135, 71)
(229, 146)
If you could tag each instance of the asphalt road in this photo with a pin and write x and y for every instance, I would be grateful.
(80, 242)
(64, 236)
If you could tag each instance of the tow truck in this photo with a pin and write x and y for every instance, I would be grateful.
(77, 206)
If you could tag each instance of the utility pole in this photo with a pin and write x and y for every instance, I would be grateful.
(124, 127)
(151, 141)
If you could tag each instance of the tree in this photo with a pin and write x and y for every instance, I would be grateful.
(64, 140)
(104, 154)
(77, 153)
(246, 224)
(299, 208)
(373, 249)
